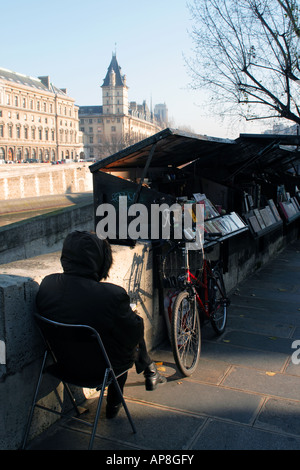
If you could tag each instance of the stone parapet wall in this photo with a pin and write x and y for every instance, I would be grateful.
(24, 181)
(44, 233)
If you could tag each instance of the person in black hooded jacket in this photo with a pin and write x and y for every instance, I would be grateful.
(77, 296)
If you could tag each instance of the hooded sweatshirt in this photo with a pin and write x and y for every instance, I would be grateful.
(77, 296)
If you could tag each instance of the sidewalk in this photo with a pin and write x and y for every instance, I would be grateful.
(244, 395)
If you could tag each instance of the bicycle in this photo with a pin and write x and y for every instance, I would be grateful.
(197, 297)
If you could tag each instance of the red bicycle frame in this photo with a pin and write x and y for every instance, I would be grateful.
(192, 280)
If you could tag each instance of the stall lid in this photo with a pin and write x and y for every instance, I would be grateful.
(172, 147)
(270, 151)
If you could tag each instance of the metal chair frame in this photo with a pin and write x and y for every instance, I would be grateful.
(108, 378)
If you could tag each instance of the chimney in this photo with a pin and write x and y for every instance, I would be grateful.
(45, 81)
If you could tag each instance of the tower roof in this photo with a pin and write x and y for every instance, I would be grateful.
(114, 67)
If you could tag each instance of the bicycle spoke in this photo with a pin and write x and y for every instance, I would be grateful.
(219, 303)
(187, 334)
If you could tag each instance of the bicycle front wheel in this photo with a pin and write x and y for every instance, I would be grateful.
(186, 333)
(218, 302)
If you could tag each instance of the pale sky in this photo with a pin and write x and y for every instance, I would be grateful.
(72, 41)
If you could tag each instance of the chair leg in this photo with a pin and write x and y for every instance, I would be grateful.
(34, 401)
(79, 410)
(99, 405)
(123, 402)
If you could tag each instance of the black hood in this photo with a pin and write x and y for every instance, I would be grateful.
(84, 254)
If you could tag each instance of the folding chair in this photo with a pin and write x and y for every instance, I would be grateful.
(78, 358)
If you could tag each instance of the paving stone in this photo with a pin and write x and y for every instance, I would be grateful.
(209, 371)
(259, 342)
(217, 435)
(268, 360)
(280, 416)
(202, 399)
(268, 383)
(157, 428)
(247, 323)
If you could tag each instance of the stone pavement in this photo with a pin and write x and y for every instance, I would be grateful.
(244, 395)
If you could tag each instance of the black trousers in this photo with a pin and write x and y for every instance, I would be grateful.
(141, 361)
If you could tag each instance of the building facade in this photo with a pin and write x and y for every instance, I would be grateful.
(38, 122)
(118, 123)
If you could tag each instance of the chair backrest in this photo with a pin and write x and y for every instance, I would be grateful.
(78, 350)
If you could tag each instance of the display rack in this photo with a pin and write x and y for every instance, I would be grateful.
(290, 209)
(264, 220)
(224, 225)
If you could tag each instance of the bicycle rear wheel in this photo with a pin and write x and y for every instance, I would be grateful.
(186, 333)
(218, 302)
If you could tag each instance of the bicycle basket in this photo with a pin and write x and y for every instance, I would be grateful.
(173, 267)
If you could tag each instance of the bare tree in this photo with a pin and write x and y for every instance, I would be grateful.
(247, 53)
(292, 11)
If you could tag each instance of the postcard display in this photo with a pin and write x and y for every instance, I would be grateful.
(288, 206)
(271, 217)
(226, 225)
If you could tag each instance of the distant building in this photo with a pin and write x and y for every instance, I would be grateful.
(118, 123)
(37, 120)
(161, 112)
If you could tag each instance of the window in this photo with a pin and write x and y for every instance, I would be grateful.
(1, 130)
(24, 103)
(26, 132)
(16, 101)
(38, 105)
(90, 130)
(18, 132)
(33, 133)
(46, 134)
(113, 128)
(9, 131)
(53, 135)
(45, 107)
(90, 121)
(91, 140)
(40, 134)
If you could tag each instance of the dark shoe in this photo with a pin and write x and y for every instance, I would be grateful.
(112, 410)
(153, 377)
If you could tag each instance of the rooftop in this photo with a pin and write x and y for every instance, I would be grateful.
(41, 83)
(114, 67)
